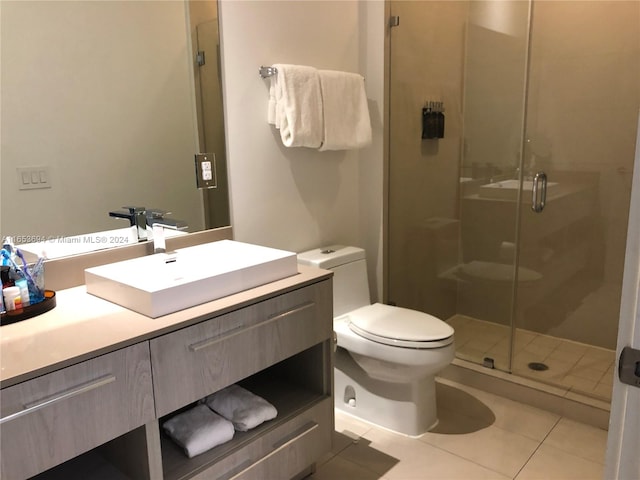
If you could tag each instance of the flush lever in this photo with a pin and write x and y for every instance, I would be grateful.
(539, 182)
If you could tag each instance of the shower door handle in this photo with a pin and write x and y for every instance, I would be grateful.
(539, 185)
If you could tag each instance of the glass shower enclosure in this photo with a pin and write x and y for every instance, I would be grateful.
(512, 226)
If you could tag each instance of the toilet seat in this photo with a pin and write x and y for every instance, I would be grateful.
(400, 327)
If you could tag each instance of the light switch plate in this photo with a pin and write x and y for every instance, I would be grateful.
(206, 170)
(31, 178)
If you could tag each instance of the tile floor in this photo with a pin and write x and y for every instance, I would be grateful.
(576, 366)
(480, 436)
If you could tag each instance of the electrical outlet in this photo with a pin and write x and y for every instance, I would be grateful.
(206, 170)
(31, 178)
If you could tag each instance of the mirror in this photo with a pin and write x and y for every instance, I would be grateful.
(103, 106)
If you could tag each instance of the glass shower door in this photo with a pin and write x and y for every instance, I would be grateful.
(493, 117)
(581, 69)
(423, 219)
(453, 201)
(526, 267)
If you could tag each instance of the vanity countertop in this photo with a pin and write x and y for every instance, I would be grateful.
(83, 326)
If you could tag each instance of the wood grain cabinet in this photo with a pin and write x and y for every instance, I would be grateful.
(279, 349)
(102, 418)
(281, 453)
(58, 416)
(196, 361)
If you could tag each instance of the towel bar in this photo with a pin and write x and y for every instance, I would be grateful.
(267, 71)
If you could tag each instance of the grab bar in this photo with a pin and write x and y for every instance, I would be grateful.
(539, 179)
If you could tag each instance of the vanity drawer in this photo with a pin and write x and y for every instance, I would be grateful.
(55, 417)
(204, 358)
(282, 452)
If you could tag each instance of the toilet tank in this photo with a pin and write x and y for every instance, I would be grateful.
(349, 267)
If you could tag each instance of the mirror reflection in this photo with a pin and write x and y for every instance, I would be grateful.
(103, 107)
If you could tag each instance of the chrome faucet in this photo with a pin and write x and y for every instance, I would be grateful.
(157, 223)
(137, 218)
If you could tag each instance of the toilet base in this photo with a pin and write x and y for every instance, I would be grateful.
(407, 408)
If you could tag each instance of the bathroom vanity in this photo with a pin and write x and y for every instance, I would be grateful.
(87, 386)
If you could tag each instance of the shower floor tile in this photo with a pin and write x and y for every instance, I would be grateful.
(582, 368)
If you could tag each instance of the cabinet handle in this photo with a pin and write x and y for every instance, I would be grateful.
(291, 311)
(57, 397)
(194, 347)
(277, 447)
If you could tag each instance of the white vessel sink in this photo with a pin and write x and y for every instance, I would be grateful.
(164, 283)
(508, 189)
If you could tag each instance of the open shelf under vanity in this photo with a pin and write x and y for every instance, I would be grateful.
(293, 386)
(298, 405)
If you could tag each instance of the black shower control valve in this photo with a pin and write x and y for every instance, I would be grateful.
(629, 366)
(432, 121)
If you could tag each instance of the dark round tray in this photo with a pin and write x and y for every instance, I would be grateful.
(31, 311)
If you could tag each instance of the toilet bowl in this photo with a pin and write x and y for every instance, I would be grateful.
(387, 356)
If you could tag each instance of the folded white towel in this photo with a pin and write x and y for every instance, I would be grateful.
(346, 114)
(271, 111)
(198, 430)
(298, 105)
(243, 408)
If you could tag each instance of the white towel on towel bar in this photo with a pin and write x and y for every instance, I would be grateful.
(346, 114)
(198, 430)
(243, 408)
(271, 112)
(298, 105)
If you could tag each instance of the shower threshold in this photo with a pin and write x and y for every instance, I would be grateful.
(561, 401)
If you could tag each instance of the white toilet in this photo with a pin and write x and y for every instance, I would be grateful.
(387, 356)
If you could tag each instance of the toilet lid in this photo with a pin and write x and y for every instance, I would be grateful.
(400, 326)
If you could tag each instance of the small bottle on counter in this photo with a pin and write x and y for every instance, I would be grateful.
(22, 284)
(12, 298)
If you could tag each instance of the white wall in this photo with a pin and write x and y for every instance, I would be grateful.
(298, 198)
